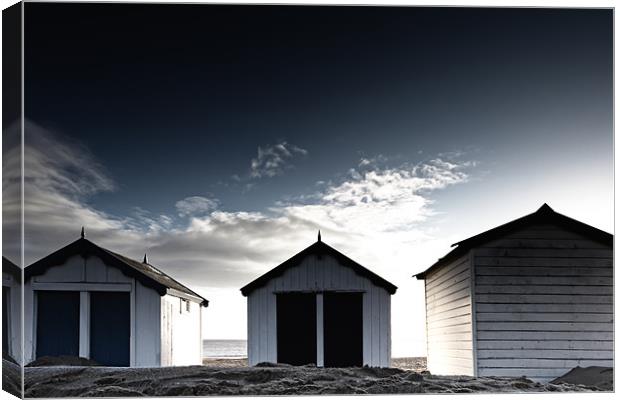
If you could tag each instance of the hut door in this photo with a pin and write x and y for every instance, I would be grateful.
(342, 329)
(109, 328)
(296, 328)
(58, 323)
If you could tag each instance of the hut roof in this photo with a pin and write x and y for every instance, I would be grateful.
(145, 273)
(544, 215)
(318, 248)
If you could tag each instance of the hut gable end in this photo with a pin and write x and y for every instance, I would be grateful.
(316, 285)
(319, 266)
(542, 226)
(107, 267)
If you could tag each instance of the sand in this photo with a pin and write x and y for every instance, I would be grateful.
(417, 364)
(601, 377)
(269, 379)
(11, 378)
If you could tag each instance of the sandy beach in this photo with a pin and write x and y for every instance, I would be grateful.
(417, 364)
(267, 379)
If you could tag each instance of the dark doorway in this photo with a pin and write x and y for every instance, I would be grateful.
(342, 329)
(6, 295)
(296, 325)
(58, 323)
(109, 328)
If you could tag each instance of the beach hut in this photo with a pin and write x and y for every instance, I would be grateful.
(84, 300)
(11, 310)
(532, 297)
(319, 307)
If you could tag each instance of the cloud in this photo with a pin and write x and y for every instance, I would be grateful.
(375, 161)
(61, 166)
(382, 217)
(272, 160)
(196, 205)
(371, 206)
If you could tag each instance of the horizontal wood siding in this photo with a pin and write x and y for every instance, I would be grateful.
(544, 304)
(449, 320)
(317, 275)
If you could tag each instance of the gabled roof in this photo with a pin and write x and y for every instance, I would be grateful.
(318, 248)
(145, 273)
(544, 215)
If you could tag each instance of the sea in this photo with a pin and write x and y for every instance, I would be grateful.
(220, 348)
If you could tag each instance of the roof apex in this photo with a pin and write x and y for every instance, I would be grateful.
(544, 208)
(147, 274)
(320, 248)
(544, 214)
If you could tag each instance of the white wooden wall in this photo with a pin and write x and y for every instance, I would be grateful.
(93, 275)
(181, 332)
(544, 304)
(449, 319)
(320, 275)
(14, 320)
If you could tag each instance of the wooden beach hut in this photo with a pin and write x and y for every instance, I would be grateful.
(532, 297)
(319, 307)
(84, 300)
(11, 310)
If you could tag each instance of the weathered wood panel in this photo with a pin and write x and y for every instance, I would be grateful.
(451, 313)
(544, 354)
(545, 344)
(537, 271)
(543, 299)
(147, 327)
(540, 252)
(449, 319)
(544, 262)
(542, 363)
(546, 289)
(319, 275)
(543, 280)
(544, 317)
(544, 303)
(548, 307)
(545, 243)
(542, 335)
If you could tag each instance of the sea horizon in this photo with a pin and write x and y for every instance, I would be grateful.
(224, 348)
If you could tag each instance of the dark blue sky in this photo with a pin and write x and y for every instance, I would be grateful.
(173, 99)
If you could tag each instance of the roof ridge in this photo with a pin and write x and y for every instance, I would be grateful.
(147, 274)
(296, 260)
(545, 212)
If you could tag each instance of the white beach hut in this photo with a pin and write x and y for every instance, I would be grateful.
(11, 310)
(533, 297)
(319, 307)
(84, 300)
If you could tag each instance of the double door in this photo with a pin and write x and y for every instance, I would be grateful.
(59, 317)
(340, 315)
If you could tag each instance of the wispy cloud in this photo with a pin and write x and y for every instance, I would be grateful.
(372, 206)
(272, 160)
(380, 216)
(196, 205)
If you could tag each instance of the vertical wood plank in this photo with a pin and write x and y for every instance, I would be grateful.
(84, 350)
(320, 362)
